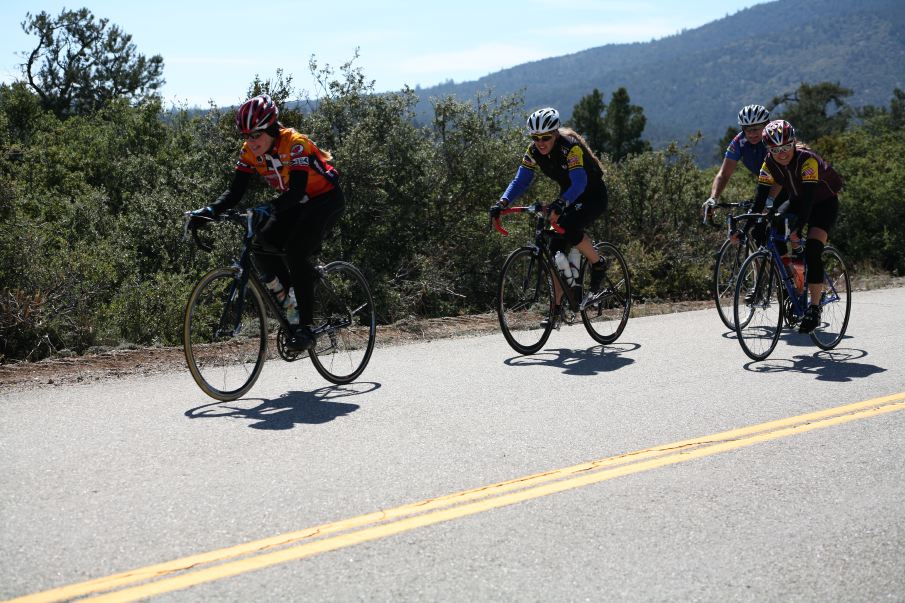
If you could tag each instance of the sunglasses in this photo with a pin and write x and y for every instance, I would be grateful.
(782, 149)
(752, 129)
(541, 137)
(251, 136)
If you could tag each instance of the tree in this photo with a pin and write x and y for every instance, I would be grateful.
(614, 129)
(808, 109)
(587, 119)
(80, 64)
(624, 124)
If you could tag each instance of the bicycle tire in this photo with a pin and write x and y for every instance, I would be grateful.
(758, 305)
(729, 259)
(224, 335)
(345, 323)
(525, 300)
(606, 312)
(836, 304)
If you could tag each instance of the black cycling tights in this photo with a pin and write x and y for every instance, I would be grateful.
(300, 230)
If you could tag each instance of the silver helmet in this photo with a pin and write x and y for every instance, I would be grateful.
(752, 115)
(543, 120)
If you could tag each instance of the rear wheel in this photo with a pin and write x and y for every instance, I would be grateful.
(225, 334)
(606, 311)
(757, 306)
(525, 300)
(728, 261)
(345, 323)
(836, 303)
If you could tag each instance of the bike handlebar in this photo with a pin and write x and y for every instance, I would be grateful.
(535, 208)
(231, 215)
(711, 204)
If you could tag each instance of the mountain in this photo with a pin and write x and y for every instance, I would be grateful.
(700, 78)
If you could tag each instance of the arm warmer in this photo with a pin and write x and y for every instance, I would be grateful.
(579, 178)
(523, 179)
(234, 193)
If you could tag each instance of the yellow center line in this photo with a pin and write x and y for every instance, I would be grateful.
(302, 543)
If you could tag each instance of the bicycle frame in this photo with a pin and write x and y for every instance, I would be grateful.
(798, 301)
(541, 245)
(247, 270)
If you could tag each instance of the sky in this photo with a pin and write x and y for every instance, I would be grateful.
(212, 51)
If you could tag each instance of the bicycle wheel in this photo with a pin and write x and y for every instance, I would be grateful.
(345, 323)
(728, 260)
(836, 303)
(605, 313)
(524, 300)
(225, 334)
(757, 305)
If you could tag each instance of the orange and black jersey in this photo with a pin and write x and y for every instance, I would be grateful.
(295, 166)
(568, 164)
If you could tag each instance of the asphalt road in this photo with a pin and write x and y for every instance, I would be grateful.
(458, 470)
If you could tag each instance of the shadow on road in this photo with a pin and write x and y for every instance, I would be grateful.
(290, 409)
(830, 365)
(599, 359)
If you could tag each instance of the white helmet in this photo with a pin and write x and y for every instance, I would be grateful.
(752, 115)
(543, 120)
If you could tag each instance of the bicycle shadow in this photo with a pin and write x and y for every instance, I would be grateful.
(598, 359)
(788, 336)
(290, 409)
(827, 365)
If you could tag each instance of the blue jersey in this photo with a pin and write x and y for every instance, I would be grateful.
(752, 155)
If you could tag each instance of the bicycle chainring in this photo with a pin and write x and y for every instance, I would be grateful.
(285, 353)
(788, 312)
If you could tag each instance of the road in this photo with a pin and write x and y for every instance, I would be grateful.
(664, 467)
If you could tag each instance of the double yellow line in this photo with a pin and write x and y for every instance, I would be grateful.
(223, 563)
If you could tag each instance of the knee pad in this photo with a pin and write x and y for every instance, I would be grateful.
(813, 257)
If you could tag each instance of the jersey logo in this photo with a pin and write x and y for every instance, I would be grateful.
(809, 171)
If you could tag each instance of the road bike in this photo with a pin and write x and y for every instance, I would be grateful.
(526, 303)
(231, 317)
(729, 258)
(766, 295)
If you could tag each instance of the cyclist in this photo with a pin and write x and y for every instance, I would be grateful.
(813, 187)
(563, 155)
(309, 204)
(747, 147)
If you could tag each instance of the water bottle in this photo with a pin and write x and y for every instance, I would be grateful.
(574, 262)
(276, 287)
(563, 265)
(795, 267)
(291, 308)
(287, 300)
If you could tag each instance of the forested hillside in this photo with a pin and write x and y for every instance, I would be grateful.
(698, 79)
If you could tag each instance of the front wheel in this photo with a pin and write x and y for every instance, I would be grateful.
(605, 312)
(224, 334)
(728, 261)
(758, 305)
(345, 323)
(836, 302)
(525, 300)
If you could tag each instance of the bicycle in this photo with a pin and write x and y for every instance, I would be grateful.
(227, 326)
(766, 296)
(526, 295)
(729, 258)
